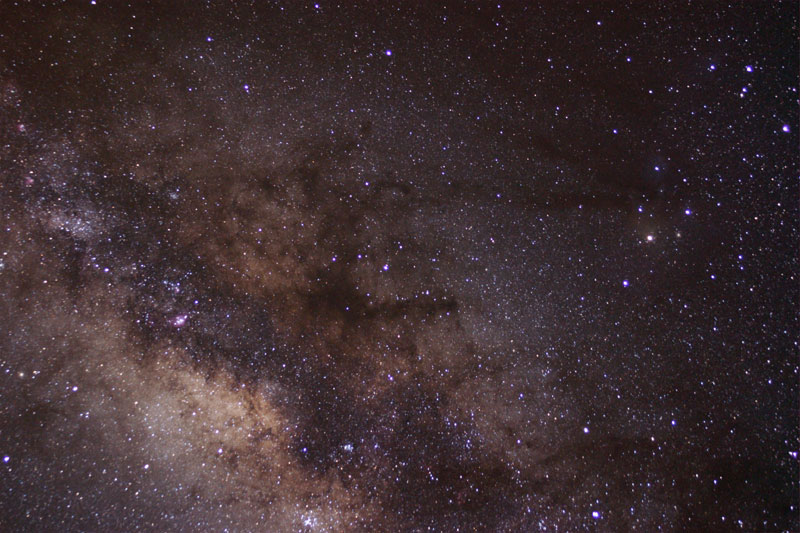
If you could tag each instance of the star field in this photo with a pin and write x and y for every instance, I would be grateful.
(395, 266)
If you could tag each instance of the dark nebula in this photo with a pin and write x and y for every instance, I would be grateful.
(398, 266)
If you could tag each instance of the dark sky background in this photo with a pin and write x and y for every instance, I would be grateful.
(398, 266)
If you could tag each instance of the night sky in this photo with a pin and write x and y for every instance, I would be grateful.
(399, 266)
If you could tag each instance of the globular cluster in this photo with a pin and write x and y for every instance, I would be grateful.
(398, 266)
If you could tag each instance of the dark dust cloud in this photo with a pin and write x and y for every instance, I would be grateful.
(398, 266)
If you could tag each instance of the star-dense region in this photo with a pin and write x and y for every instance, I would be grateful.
(398, 266)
